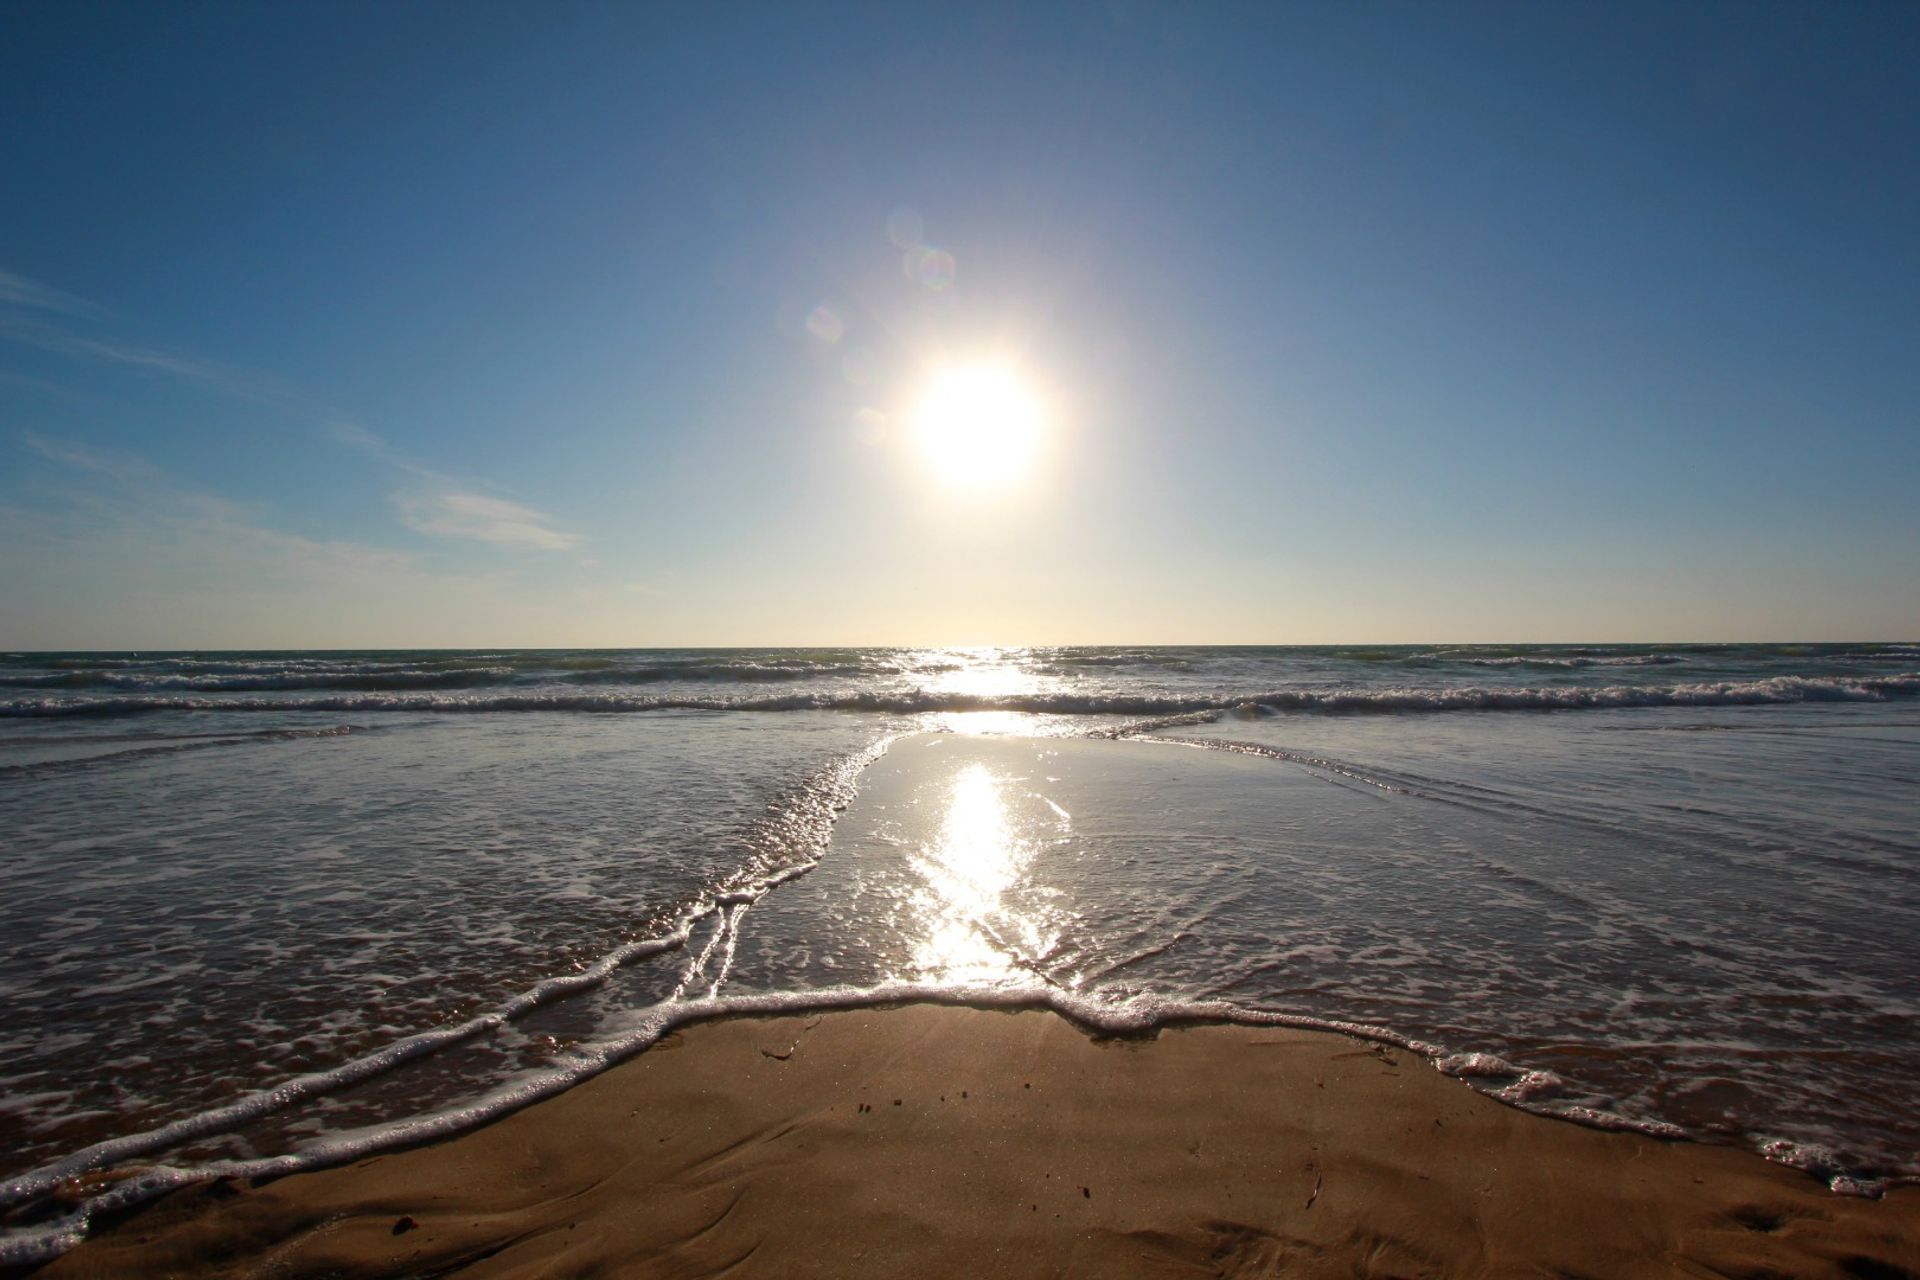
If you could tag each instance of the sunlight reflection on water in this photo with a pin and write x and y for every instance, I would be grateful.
(1002, 723)
(995, 674)
(983, 849)
(986, 673)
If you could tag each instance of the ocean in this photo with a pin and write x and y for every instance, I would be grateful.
(263, 911)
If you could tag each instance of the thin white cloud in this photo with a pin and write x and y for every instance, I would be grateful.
(460, 514)
(31, 313)
(110, 551)
(358, 437)
(134, 510)
(443, 507)
(30, 295)
(435, 504)
(153, 358)
(146, 359)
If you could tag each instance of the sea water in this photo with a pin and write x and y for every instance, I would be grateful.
(265, 910)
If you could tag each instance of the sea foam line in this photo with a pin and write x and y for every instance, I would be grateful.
(1143, 1015)
(37, 1183)
(1137, 1016)
(804, 823)
(1773, 690)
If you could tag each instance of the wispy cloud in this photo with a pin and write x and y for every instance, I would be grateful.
(30, 295)
(444, 507)
(457, 514)
(358, 437)
(149, 359)
(41, 316)
(114, 551)
(432, 502)
(131, 508)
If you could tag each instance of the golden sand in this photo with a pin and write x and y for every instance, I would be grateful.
(934, 1141)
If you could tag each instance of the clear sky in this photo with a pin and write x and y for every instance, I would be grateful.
(433, 324)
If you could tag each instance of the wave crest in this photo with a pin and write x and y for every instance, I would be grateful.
(1773, 690)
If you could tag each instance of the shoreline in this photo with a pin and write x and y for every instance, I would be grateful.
(932, 1138)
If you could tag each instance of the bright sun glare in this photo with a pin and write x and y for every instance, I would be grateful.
(979, 425)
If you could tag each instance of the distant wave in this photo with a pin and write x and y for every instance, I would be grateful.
(1244, 666)
(265, 678)
(1574, 660)
(1070, 661)
(1882, 653)
(260, 677)
(744, 672)
(1777, 689)
(272, 663)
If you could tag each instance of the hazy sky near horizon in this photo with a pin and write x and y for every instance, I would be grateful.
(563, 324)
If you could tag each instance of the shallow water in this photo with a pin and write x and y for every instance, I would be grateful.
(1690, 896)
(1743, 978)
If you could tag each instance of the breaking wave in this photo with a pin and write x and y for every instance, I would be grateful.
(1773, 690)
(1573, 660)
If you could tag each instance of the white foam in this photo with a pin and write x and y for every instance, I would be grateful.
(1141, 1015)
(804, 824)
(1773, 690)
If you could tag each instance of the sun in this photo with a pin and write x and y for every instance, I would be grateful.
(979, 426)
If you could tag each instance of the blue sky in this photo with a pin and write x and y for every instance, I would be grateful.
(479, 325)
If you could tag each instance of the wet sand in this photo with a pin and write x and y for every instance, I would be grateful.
(929, 1141)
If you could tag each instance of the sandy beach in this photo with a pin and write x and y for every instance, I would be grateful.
(1092, 639)
(931, 1140)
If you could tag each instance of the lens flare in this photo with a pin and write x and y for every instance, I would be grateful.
(826, 324)
(930, 268)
